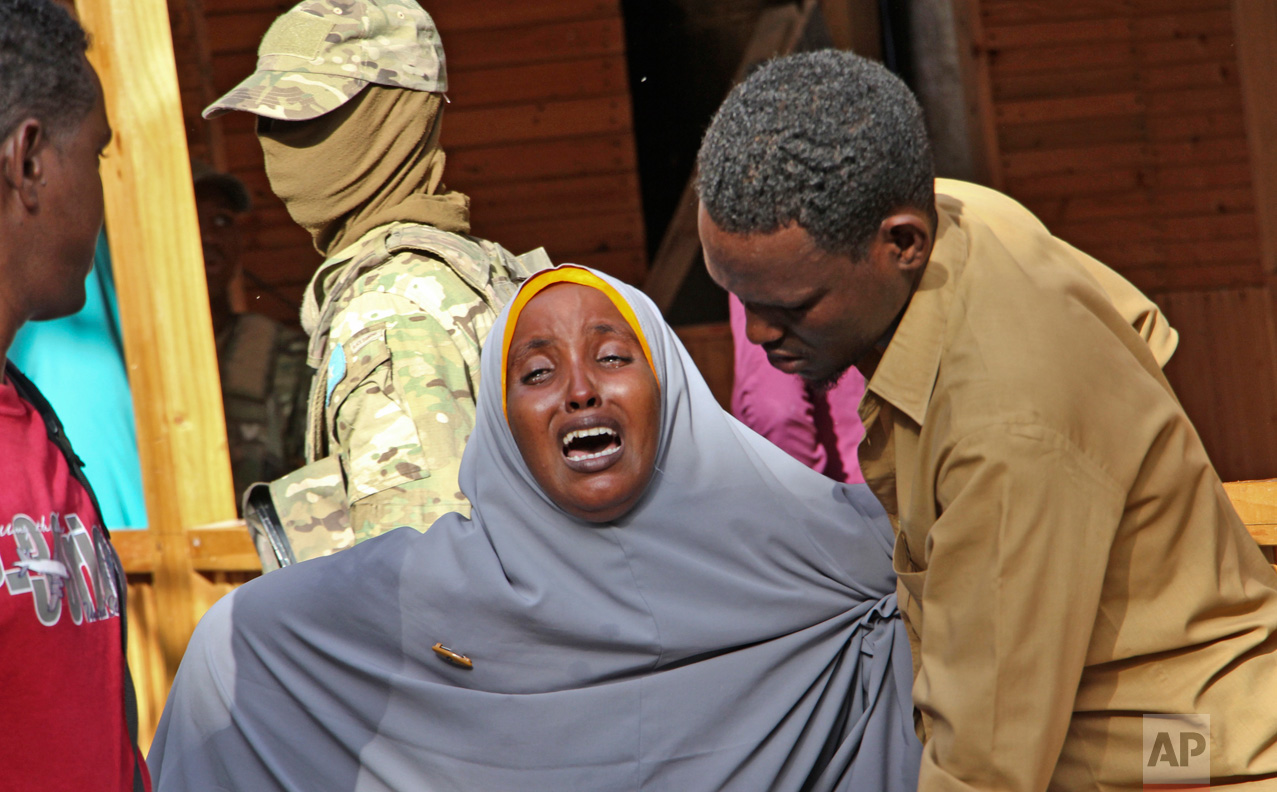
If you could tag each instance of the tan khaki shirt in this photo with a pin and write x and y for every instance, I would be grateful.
(1068, 560)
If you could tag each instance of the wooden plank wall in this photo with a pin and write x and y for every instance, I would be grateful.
(538, 131)
(1120, 123)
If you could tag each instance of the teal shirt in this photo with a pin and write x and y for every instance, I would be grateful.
(77, 362)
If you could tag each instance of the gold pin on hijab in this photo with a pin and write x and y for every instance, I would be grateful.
(451, 656)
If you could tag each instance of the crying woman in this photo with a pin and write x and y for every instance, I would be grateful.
(647, 596)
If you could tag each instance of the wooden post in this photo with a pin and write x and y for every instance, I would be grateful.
(855, 25)
(168, 341)
(1255, 25)
(973, 63)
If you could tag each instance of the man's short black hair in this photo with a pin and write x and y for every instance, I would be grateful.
(43, 73)
(826, 139)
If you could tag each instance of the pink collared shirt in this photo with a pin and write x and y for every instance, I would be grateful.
(821, 429)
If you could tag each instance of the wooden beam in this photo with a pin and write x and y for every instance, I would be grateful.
(977, 90)
(1255, 26)
(855, 25)
(1255, 501)
(137, 551)
(1256, 504)
(777, 32)
(168, 340)
(225, 548)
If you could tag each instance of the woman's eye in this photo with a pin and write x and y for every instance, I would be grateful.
(615, 360)
(534, 376)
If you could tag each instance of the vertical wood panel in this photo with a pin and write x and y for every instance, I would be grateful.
(1225, 375)
(710, 346)
(1255, 22)
(146, 619)
(146, 659)
(973, 60)
(855, 25)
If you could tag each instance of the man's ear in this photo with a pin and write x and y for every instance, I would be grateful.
(22, 162)
(907, 233)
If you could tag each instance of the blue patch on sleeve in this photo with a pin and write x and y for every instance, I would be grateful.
(336, 370)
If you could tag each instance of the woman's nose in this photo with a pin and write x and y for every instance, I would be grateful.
(582, 392)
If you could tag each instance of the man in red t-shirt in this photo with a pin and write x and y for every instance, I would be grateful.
(70, 714)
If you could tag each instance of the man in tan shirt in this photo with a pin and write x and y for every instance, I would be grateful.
(1068, 561)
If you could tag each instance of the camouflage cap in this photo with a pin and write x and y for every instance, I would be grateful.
(321, 53)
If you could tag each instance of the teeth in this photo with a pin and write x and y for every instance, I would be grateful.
(606, 452)
(579, 433)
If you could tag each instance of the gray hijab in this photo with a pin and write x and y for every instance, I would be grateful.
(737, 629)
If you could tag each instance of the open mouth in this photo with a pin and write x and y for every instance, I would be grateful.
(597, 442)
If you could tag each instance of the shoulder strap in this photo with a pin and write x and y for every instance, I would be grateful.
(317, 318)
(462, 253)
(53, 427)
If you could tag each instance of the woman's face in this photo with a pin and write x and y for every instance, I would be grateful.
(582, 402)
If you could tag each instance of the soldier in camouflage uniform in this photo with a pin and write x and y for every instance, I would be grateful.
(400, 307)
(264, 375)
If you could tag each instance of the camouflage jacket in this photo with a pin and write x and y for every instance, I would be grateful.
(265, 386)
(396, 324)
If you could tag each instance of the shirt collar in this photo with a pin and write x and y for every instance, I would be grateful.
(906, 373)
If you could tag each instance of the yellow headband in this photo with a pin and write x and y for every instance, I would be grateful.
(567, 274)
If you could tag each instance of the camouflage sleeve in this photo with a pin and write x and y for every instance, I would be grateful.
(400, 413)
